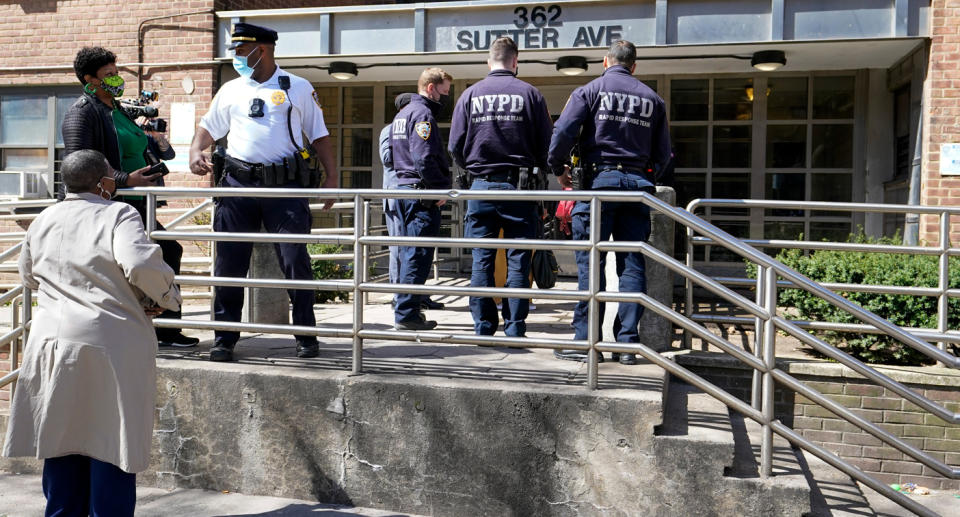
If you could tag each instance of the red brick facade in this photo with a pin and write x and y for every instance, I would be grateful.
(942, 118)
(48, 33)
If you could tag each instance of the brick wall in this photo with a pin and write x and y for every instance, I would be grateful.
(49, 33)
(942, 118)
(874, 403)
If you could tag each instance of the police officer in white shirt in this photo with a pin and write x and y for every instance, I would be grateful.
(269, 116)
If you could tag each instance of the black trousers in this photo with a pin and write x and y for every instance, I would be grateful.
(172, 254)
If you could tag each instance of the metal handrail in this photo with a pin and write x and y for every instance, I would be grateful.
(943, 250)
(763, 309)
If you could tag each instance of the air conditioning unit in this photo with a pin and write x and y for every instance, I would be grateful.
(23, 184)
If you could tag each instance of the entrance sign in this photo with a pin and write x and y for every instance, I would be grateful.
(543, 26)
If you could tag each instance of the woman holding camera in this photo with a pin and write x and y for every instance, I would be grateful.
(97, 121)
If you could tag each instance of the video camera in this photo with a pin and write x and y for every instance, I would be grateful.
(141, 107)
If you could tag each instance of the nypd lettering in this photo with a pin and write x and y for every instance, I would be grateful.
(624, 105)
(499, 107)
(400, 128)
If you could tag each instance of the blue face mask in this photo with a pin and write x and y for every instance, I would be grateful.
(241, 66)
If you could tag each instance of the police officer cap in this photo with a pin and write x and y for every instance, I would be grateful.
(247, 33)
(402, 100)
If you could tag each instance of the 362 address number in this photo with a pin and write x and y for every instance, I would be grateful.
(540, 16)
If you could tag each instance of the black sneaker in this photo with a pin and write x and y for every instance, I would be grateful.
(306, 350)
(177, 340)
(221, 354)
(628, 359)
(429, 304)
(416, 324)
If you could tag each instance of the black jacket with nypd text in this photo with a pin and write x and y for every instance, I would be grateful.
(617, 120)
(500, 123)
(418, 150)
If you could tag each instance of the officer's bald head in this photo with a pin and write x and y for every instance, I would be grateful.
(622, 52)
(503, 53)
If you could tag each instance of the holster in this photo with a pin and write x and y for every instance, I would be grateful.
(306, 169)
(531, 179)
(425, 203)
(218, 165)
(582, 178)
(464, 179)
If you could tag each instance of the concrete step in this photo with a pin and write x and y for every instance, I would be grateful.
(726, 446)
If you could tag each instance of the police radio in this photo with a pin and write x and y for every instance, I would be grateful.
(304, 164)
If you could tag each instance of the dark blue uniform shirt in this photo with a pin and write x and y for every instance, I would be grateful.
(500, 123)
(418, 153)
(623, 122)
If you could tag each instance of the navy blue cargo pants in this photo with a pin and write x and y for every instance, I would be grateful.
(626, 222)
(417, 220)
(245, 215)
(485, 219)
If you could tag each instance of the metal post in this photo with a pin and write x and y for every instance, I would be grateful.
(943, 301)
(15, 344)
(758, 328)
(359, 268)
(365, 297)
(457, 210)
(151, 216)
(593, 307)
(769, 360)
(213, 261)
(688, 291)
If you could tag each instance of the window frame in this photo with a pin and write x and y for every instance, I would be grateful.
(53, 148)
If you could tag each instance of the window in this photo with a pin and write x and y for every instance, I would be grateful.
(711, 131)
(778, 138)
(809, 154)
(30, 138)
(348, 112)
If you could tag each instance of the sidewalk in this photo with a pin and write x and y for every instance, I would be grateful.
(21, 495)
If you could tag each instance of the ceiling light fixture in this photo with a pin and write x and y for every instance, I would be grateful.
(768, 60)
(343, 70)
(572, 65)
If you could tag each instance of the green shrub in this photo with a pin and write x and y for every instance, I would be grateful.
(330, 270)
(892, 269)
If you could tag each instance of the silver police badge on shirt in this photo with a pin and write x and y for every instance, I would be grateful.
(423, 129)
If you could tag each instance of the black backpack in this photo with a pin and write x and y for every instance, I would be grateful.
(544, 268)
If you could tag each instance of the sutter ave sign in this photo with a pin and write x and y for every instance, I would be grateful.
(540, 26)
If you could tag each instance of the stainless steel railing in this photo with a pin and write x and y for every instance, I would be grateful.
(764, 309)
(942, 335)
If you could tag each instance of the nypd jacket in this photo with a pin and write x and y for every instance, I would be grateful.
(418, 152)
(500, 123)
(617, 120)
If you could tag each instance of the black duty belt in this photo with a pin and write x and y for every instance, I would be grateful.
(629, 169)
(508, 176)
(270, 174)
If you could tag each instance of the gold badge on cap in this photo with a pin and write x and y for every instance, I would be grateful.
(278, 97)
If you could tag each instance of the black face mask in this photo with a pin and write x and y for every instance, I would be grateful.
(444, 100)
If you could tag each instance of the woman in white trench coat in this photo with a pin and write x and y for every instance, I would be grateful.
(85, 399)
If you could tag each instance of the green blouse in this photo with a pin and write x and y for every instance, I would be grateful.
(132, 141)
